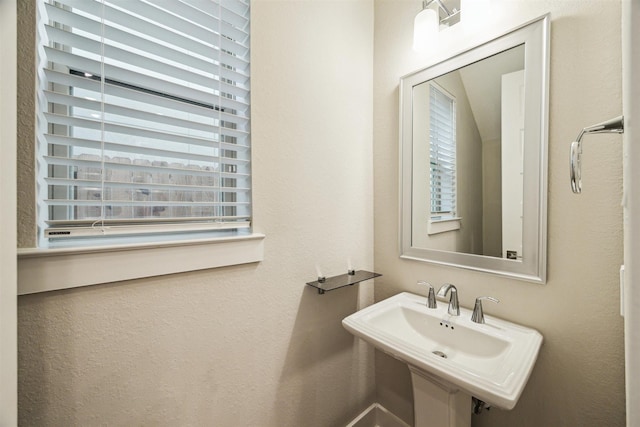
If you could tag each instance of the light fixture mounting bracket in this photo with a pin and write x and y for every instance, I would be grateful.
(448, 11)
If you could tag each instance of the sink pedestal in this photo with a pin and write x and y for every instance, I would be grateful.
(438, 404)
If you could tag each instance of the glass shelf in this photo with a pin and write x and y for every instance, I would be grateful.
(351, 278)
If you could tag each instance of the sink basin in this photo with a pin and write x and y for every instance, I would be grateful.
(490, 361)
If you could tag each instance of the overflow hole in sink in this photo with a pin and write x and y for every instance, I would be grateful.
(439, 353)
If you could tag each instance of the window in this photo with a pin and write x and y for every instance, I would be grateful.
(143, 118)
(442, 153)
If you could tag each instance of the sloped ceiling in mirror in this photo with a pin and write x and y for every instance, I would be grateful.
(482, 83)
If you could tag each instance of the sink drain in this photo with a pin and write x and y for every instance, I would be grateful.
(439, 353)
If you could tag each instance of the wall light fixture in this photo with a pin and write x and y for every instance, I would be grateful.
(434, 14)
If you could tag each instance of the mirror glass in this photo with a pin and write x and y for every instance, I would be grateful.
(474, 157)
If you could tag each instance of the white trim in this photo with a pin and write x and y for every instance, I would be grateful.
(8, 242)
(436, 226)
(631, 204)
(41, 270)
(377, 415)
(135, 229)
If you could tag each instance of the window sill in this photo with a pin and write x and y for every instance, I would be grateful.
(42, 270)
(436, 226)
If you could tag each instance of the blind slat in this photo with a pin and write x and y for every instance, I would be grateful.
(196, 186)
(106, 230)
(153, 221)
(135, 203)
(143, 151)
(93, 124)
(77, 162)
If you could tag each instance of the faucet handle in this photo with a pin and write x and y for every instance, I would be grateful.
(478, 314)
(431, 299)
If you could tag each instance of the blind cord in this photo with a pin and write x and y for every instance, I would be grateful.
(102, 112)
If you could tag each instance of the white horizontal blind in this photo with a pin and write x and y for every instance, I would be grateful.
(143, 116)
(442, 153)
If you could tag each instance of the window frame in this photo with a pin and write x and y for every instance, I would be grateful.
(43, 269)
(443, 221)
(214, 199)
(448, 174)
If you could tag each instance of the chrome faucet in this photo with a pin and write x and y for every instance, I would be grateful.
(454, 307)
(431, 299)
(478, 314)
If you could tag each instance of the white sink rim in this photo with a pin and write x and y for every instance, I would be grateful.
(501, 389)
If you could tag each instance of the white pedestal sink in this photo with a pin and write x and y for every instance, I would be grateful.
(450, 358)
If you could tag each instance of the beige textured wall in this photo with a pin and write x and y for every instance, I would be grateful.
(26, 211)
(247, 345)
(579, 376)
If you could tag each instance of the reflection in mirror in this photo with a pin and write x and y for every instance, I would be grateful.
(473, 157)
(467, 153)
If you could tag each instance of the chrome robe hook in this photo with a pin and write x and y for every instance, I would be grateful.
(615, 125)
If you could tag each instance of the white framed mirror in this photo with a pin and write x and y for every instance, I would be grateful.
(473, 157)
